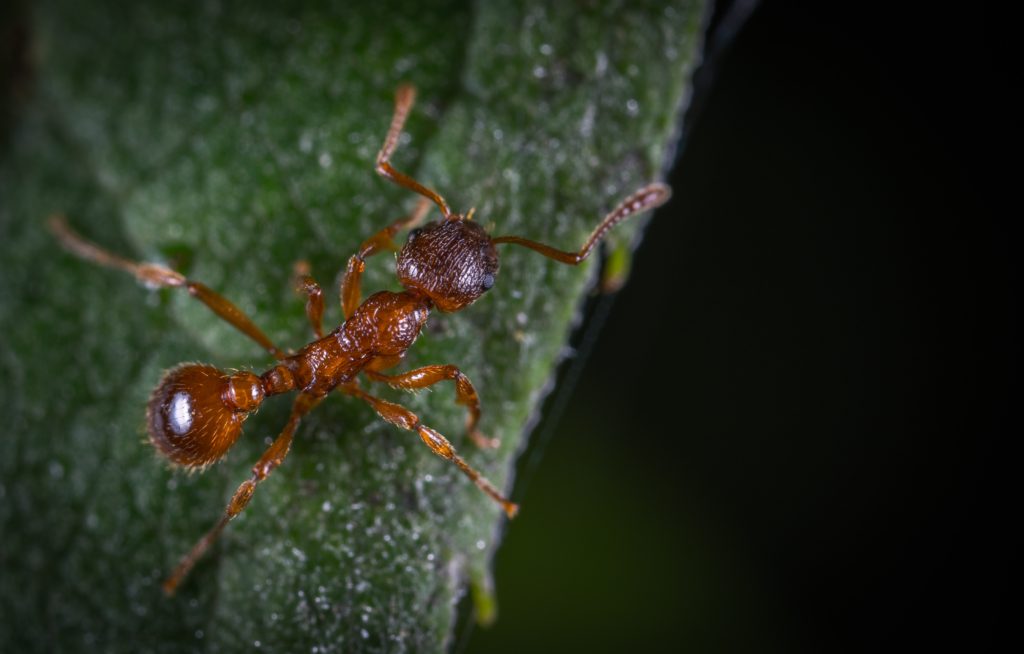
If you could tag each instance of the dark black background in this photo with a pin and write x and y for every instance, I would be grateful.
(790, 434)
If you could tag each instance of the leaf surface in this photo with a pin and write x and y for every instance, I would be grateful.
(232, 142)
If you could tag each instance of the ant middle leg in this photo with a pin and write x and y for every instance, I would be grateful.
(401, 417)
(465, 393)
(272, 457)
(405, 96)
(379, 242)
(157, 276)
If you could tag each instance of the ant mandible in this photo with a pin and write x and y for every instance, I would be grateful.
(196, 412)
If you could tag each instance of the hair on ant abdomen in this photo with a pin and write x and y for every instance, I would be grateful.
(196, 413)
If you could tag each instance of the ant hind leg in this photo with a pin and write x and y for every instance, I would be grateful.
(272, 457)
(157, 276)
(401, 417)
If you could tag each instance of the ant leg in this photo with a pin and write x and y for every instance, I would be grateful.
(405, 96)
(157, 276)
(271, 458)
(401, 417)
(304, 283)
(648, 197)
(382, 240)
(465, 394)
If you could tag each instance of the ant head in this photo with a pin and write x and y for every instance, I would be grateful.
(453, 262)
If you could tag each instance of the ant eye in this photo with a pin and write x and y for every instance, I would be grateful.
(414, 233)
(487, 282)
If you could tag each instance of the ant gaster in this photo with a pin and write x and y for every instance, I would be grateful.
(196, 412)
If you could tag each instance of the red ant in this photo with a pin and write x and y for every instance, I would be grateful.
(196, 412)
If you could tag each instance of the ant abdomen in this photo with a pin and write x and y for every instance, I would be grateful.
(196, 412)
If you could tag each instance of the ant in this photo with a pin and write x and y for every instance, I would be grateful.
(196, 412)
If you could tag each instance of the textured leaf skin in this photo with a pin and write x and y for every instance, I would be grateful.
(232, 142)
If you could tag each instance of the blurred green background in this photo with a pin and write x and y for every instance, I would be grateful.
(787, 436)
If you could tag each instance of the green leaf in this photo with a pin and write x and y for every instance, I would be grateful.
(232, 142)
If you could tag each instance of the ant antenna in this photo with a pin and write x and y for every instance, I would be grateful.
(648, 197)
(405, 96)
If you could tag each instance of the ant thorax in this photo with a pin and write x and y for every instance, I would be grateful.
(453, 262)
(386, 324)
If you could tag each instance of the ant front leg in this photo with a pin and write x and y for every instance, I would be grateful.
(382, 240)
(157, 276)
(272, 457)
(304, 283)
(465, 394)
(401, 417)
